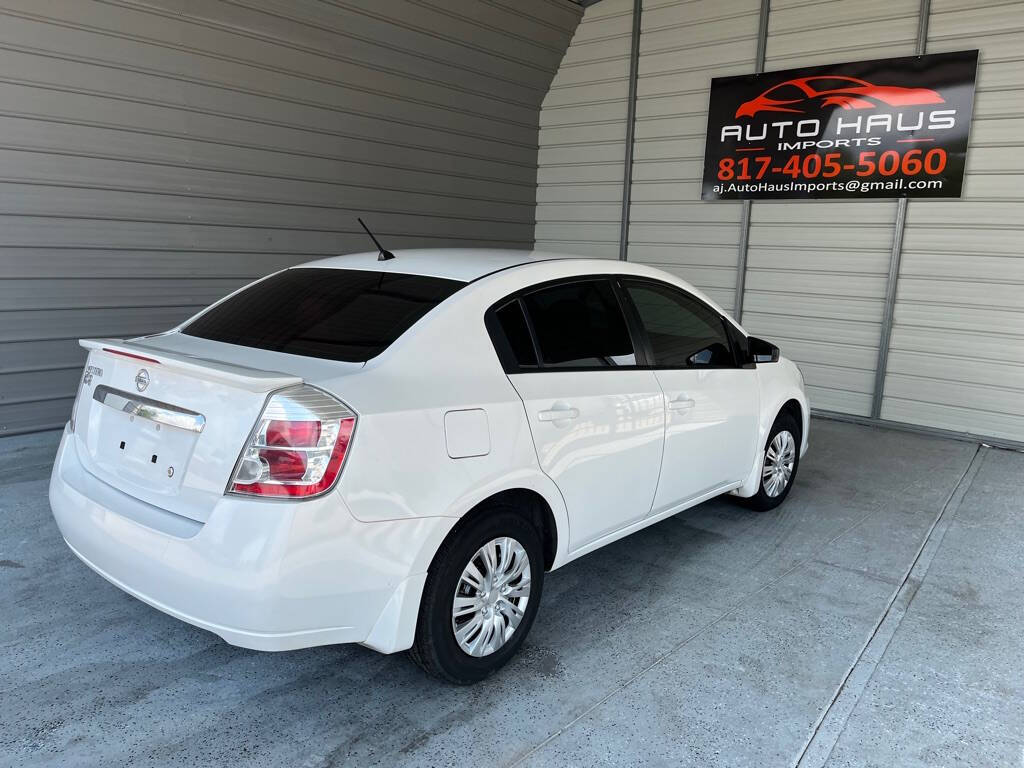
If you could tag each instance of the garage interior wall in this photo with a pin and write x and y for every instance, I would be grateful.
(157, 154)
(682, 46)
(582, 135)
(957, 348)
(816, 272)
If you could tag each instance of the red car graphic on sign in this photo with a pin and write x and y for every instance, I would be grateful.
(806, 94)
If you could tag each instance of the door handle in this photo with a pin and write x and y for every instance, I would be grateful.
(681, 403)
(558, 414)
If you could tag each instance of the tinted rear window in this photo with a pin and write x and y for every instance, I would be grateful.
(580, 325)
(338, 314)
(517, 334)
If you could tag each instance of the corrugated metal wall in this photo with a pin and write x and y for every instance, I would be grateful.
(957, 351)
(582, 135)
(155, 154)
(817, 271)
(682, 46)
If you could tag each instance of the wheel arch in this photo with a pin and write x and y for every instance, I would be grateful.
(795, 409)
(529, 503)
(395, 628)
(780, 394)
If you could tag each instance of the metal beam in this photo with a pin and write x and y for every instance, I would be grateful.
(627, 180)
(762, 35)
(741, 259)
(896, 255)
(924, 12)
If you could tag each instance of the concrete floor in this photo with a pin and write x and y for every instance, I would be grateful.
(877, 618)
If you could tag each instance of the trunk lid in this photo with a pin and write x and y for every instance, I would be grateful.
(164, 419)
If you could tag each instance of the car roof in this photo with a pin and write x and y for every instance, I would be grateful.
(464, 264)
(471, 264)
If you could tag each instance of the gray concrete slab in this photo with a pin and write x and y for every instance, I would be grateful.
(718, 637)
(949, 688)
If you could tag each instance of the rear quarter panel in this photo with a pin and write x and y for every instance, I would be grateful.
(399, 465)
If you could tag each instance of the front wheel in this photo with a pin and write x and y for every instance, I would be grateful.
(480, 598)
(780, 462)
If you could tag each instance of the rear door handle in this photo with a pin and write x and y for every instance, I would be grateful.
(558, 414)
(681, 403)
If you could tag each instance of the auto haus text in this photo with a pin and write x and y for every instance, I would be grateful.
(841, 130)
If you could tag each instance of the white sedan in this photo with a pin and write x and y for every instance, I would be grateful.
(394, 452)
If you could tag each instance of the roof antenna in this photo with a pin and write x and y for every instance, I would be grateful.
(384, 254)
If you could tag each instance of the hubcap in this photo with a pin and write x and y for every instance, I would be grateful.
(491, 596)
(779, 460)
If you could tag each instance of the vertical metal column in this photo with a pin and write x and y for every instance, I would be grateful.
(627, 181)
(741, 262)
(896, 255)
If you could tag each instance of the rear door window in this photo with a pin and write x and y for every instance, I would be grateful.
(580, 325)
(337, 314)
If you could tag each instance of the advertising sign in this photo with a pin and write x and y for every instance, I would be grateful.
(883, 128)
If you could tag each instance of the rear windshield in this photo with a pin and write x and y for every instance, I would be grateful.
(337, 314)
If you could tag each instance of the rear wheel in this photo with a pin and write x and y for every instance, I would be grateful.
(480, 598)
(781, 461)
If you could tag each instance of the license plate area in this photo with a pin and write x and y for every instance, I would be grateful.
(141, 452)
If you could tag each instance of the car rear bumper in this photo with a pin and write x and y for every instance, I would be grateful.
(267, 575)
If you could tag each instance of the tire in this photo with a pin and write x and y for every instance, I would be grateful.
(769, 494)
(478, 654)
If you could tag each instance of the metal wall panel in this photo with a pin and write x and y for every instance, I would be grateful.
(682, 46)
(582, 137)
(956, 359)
(816, 275)
(155, 154)
(817, 271)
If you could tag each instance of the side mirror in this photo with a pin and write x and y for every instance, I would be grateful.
(762, 351)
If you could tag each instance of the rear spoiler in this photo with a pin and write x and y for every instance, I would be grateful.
(250, 379)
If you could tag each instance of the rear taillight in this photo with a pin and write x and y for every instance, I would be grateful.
(87, 374)
(298, 446)
(74, 407)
